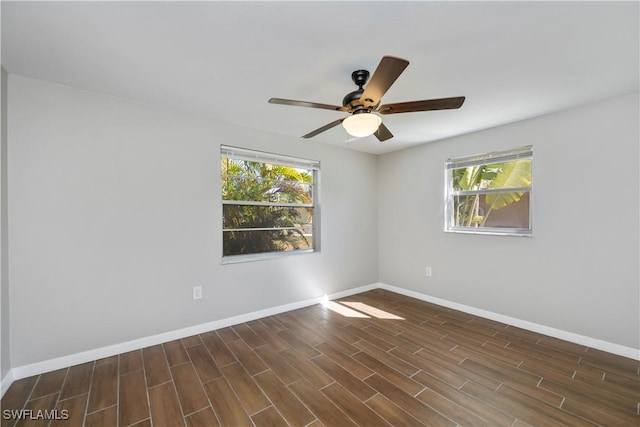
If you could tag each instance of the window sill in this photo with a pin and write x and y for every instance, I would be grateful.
(491, 232)
(235, 259)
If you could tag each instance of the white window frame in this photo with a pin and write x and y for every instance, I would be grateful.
(270, 158)
(450, 193)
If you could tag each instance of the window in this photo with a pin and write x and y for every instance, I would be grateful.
(490, 193)
(269, 204)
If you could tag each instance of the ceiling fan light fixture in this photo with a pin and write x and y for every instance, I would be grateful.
(363, 124)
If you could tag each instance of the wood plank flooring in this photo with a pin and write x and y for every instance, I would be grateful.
(383, 359)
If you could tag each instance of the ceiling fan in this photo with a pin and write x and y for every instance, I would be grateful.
(363, 104)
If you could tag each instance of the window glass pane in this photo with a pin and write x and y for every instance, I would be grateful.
(262, 241)
(251, 216)
(511, 174)
(265, 182)
(255, 189)
(497, 210)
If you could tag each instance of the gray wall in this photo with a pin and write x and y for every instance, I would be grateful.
(578, 273)
(115, 215)
(5, 356)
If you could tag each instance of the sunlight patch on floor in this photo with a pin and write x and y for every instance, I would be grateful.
(345, 311)
(357, 309)
(372, 311)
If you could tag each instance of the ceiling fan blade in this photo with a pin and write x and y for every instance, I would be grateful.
(426, 105)
(383, 133)
(387, 72)
(323, 128)
(295, 103)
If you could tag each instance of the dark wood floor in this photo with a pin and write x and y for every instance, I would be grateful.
(400, 362)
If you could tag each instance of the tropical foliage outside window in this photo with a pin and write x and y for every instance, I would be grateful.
(489, 193)
(268, 203)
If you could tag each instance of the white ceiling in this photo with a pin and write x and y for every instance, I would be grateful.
(224, 60)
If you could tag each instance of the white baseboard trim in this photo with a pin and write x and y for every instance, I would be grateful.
(111, 350)
(6, 382)
(632, 353)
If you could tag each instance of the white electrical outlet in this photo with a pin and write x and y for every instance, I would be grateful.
(428, 272)
(197, 292)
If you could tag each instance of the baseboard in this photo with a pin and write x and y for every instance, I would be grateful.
(99, 353)
(111, 350)
(6, 382)
(632, 353)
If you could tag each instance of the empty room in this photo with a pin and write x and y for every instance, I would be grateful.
(320, 213)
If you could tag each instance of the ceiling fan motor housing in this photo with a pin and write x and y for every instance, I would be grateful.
(352, 99)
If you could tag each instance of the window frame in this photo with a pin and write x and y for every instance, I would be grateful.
(450, 193)
(313, 166)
